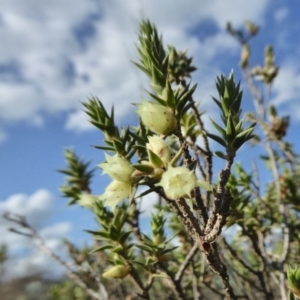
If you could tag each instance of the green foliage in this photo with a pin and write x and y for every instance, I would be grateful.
(78, 177)
(233, 136)
(67, 290)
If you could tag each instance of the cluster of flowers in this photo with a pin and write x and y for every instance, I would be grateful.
(176, 181)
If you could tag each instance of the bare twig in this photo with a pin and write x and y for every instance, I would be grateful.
(208, 153)
(175, 283)
(188, 160)
(186, 262)
(224, 176)
(21, 221)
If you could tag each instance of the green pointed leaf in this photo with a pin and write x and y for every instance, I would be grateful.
(145, 238)
(238, 142)
(226, 95)
(104, 148)
(218, 103)
(237, 102)
(119, 146)
(132, 194)
(216, 138)
(140, 148)
(168, 95)
(140, 264)
(66, 172)
(124, 236)
(145, 168)
(171, 238)
(73, 201)
(145, 248)
(185, 109)
(184, 98)
(137, 137)
(165, 62)
(125, 135)
(205, 185)
(99, 125)
(252, 125)
(220, 154)
(101, 248)
(154, 159)
(144, 69)
(190, 129)
(176, 157)
(230, 129)
(114, 233)
(160, 275)
(150, 260)
(247, 132)
(219, 128)
(152, 189)
(99, 234)
(158, 99)
(112, 114)
(238, 126)
(273, 111)
(168, 250)
(225, 108)
(157, 78)
(117, 249)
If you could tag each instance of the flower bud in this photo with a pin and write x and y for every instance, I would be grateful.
(178, 182)
(159, 146)
(245, 55)
(118, 168)
(118, 271)
(115, 192)
(157, 117)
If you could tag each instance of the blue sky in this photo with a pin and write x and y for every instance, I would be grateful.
(55, 54)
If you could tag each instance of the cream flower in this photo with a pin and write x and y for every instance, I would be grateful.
(157, 117)
(115, 193)
(159, 146)
(178, 182)
(117, 167)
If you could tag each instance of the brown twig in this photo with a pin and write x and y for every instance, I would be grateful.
(21, 221)
(219, 196)
(175, 283)
(218, 267)
(186, 262)
(136, 279)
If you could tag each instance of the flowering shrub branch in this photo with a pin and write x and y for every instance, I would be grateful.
(159, 119)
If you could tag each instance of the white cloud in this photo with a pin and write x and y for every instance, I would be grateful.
(54, 72)
(147, 204)
(78, 121)
(287, 90)
(281, 14)
(36, 207)
(23, 252)
(27, 258)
